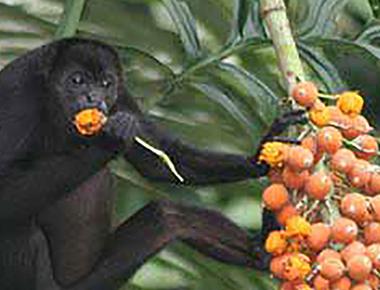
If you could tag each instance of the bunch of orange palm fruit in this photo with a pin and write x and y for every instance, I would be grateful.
(325, 193)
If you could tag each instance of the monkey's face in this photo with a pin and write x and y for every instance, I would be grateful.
(85, 77)
(82, 90)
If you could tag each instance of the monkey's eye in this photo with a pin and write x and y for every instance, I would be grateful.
(77, 79)
(106, 83)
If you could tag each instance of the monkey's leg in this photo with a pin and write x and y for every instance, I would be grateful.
(162, 222)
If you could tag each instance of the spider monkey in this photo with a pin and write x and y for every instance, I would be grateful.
(56, 193)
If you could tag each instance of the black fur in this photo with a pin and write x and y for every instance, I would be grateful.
(56, 193)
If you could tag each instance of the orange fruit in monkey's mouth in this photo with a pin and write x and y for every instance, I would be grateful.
(89, 121)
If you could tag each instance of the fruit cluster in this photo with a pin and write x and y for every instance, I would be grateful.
(326, 195)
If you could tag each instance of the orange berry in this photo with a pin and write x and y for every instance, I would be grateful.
(320, 283)
(335, 114)
(275, 196)
(305, 93)
(287, 286)
(89, 121)
(297, 225)
(361, 286)
(285, 213)
(319, 114)
(372, 233)
(373, 252)
(359, 267)
(327, 254)
(354, 206)
(318, 185)
(368, 146)
(355, 127)
(297, 267)
(373, 186)
(278, 264)
(276, 243)
(332, 269)
(344, 230)
(375, 207)
(319, 236)
(343, 160)
(343, 283)
(302, 286)
(338, 119)
(350, 103)
(294, 179)
(329, 139)
(373, 281)
(360, 173)
(310, 142)
(353, 249)
(299, 158)
(274, 153)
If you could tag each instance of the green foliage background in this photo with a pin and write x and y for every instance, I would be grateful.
(205, 69)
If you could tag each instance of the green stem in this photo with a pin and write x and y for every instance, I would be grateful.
(71, 17)
(274, 15)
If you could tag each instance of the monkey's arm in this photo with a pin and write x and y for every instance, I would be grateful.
(194, 165)
(26, 188)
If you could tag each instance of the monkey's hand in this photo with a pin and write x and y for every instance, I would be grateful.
(278, 127)
(283, 122)
(122, 126)
(261, 258)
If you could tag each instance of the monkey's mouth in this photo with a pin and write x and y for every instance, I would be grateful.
(89, 121)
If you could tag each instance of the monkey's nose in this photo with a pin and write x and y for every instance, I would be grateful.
(92, 98)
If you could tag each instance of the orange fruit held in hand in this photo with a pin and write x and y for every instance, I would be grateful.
(89, 121)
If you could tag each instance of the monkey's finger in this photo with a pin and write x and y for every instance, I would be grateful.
(283, 139)
(281, 123)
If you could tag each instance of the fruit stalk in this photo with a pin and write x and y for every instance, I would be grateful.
(274, 14)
